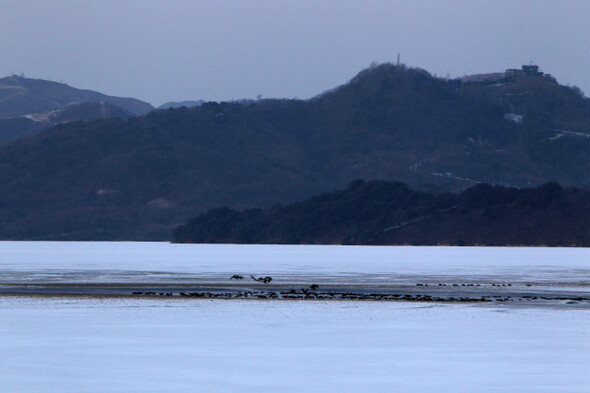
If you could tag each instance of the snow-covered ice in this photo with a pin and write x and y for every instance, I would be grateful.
(77, 344)
(157, 345)
(163, 262)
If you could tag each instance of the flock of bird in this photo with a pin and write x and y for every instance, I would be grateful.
(312, 292)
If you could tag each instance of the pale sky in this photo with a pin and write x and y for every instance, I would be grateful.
(173, 50)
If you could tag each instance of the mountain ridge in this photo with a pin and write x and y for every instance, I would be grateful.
(137, 179)
(21, 96)
(29, 106)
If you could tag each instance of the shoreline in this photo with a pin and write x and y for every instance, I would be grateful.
(443, 293)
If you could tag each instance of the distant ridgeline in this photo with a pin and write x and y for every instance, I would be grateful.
(29, 106)
(380, 212)
(134, 173)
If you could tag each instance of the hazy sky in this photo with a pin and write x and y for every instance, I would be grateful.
(172, 50)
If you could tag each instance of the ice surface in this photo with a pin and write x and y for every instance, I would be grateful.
(75, 344)
(163, 262)
(157, 345)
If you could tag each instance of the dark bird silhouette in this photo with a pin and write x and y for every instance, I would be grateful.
(237, 277)
(265, 280)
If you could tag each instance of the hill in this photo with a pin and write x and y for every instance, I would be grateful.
(179, 104)
(379, 212)
(21, 96)
(15, 127)
(139, 178)
(29, 106)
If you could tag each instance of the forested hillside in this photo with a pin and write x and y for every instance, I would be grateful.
(379, 212)
(139, 178)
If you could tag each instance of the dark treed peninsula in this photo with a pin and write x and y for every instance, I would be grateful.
(379, 212)
(138, 178)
